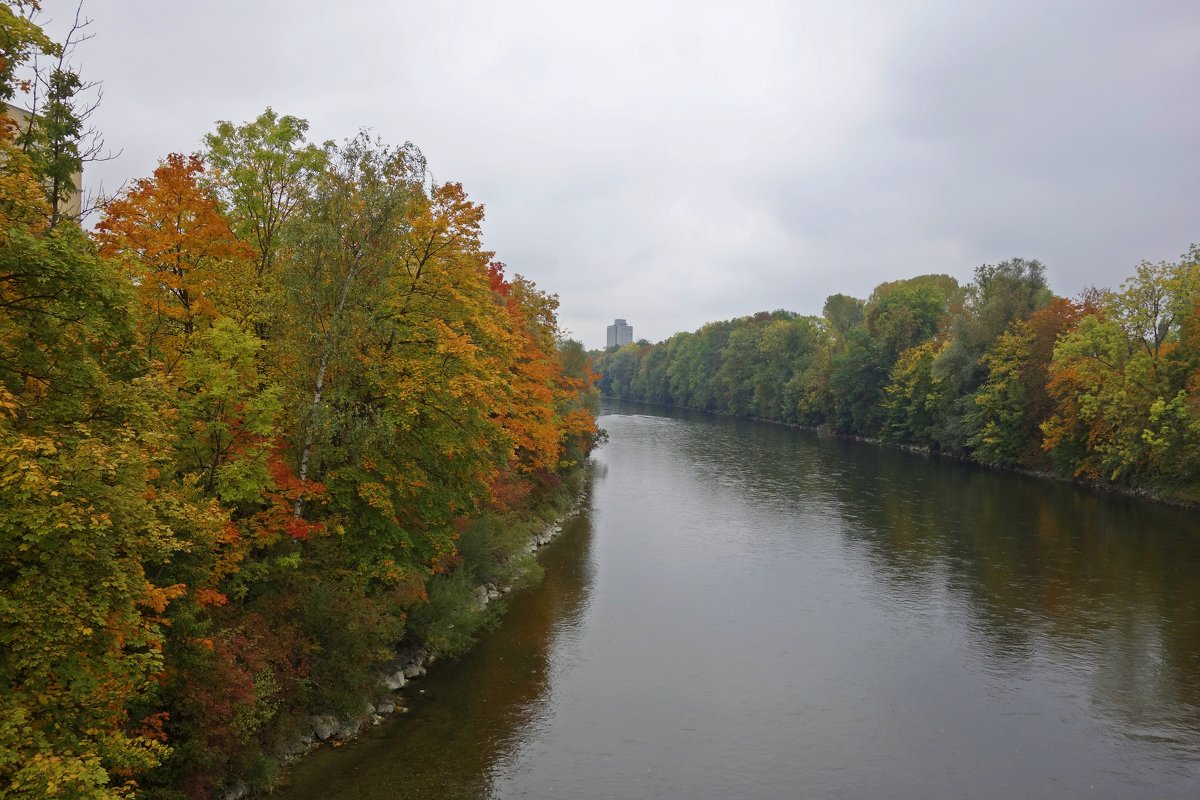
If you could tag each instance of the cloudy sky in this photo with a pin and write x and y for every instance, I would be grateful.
(679, 162)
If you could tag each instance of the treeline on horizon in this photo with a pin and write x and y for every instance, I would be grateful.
(1103, 387)
(278, 414)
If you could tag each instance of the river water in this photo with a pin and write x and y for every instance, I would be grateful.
(750, 611)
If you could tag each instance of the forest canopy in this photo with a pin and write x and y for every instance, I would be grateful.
(1103, 387)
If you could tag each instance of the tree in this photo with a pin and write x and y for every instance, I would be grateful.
(900, 315)
(21, 39)
(56, 134)
(1000, 295)
(342, 252)
(843, 313)
(1121, 384)
(1013, 402)
(912, 395)
(262, 172)
(187, 264)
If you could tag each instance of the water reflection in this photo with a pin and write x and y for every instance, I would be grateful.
(469, 717)
(1086, 603)
(1103, 586)
(756, 611)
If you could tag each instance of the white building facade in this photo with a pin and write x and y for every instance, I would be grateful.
(620, 333)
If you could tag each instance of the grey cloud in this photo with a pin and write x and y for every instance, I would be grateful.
(678, 162)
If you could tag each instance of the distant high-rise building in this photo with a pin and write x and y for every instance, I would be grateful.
(619, 334)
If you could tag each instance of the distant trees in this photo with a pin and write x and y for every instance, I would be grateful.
(999, 370)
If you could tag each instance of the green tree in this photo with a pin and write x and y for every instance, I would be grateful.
(1000, 295)
(1122, 384)
(900, 315)
(262, 170)
(911, 396)
(843, 313)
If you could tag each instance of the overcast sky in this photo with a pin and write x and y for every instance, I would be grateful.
(674, 163)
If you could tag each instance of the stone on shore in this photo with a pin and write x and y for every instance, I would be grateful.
(324, 726)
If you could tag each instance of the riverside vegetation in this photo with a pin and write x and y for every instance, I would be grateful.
(279, 416)
(1105, 387)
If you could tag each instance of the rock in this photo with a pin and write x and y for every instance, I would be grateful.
(505, 589)
(301, 744)
(236, 792)
(350, 728)
(385, 707)
(395, 681)
(414, 670)
(481, 596)
(324, 726)
(298, 746)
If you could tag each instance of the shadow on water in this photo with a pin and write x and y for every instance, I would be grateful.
(468, 716)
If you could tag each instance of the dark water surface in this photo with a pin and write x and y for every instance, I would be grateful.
(751, 611)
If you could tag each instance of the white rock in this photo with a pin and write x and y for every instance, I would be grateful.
(414, 671)
(324, 726)
(395, 681)
(385, 707)
(236, 792)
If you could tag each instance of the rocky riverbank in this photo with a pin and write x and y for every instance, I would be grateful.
(409, 665)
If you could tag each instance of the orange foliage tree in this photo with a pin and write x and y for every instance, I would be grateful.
(180, 253)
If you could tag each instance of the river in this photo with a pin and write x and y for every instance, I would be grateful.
(744, 610)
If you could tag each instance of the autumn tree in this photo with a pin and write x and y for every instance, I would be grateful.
(188, 266)
(530, 416)
(1013, 401)
(1121, 384)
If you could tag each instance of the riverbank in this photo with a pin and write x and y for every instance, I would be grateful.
(1140, 493)
(499, 557)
